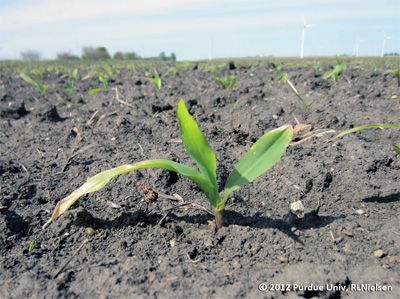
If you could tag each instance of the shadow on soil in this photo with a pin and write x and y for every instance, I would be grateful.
(385, 199)
(310, 220)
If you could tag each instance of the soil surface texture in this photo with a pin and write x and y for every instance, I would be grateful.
(149, 233)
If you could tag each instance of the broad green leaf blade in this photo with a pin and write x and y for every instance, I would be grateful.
(93, 91)
(43, 89)
(220, 81)
(28, 79)
(396, 147)
(365, 127)
(234, 78)
(100, 180)
(260, 157)
(196, 144)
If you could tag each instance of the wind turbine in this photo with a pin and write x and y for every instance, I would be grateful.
(359, 41)
(302, 35)
(385, 37)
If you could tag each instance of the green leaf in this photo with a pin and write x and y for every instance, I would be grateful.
(93, 91)
(365, 127)
(100, 180)
(75, 74)
(260, 157)
(28, 79)
(103, 80)
(156, 80)
(233, 78)
(396, 147)
(196, 144)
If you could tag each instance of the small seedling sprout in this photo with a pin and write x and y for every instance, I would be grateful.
(284, 79)
(156, 80)
(396, 73)
(225, 81)
(32, 245)
(35, 82)
(259, 158)
(103, 80)
(336, 71)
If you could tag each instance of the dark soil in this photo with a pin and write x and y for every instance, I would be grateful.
(137, 248)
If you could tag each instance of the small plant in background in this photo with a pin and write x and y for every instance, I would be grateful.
(132, 68)
(172, 70)
(156, 80)
(35, 82)
(72, 79)
(396, 73)
(396, 146)
(284, 79)
(225, 81)
(260, 157)
(104, 81)
(317, 66)
(336, 71)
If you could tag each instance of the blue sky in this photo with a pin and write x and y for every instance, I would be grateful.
(233, 28)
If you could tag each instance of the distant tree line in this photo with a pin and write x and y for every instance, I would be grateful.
(99, 53)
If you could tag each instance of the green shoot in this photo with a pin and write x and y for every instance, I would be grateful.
(15, 187)
(172, 70)
(72, 78)
(396, 146)
(396, 73)
(336, 71)
(284, 79)
(92, 92)
(32, 245)
(260, 157)
(225, 81)
(156, 80)
(103, 79)
(317, 66)
(35, 82)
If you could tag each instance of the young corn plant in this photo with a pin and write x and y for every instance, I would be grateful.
(336, 71)
(225, 81)
(396, 73)
(104, 81)
(284, 79)
(72, 79)
(34, 82)
(156, 80)
(260, 157)
(396, 146)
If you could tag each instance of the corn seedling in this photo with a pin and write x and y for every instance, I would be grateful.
(336, 71)
(92, 92)
(284, 79)
(260, 157)
(396, 146)
(396, 73)
(225, 81)
(172, 70)
(317, 66)
(103, 80)
(156, 80)
(72, 78)
(32, 245)
(15, 187)
(34, 82)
